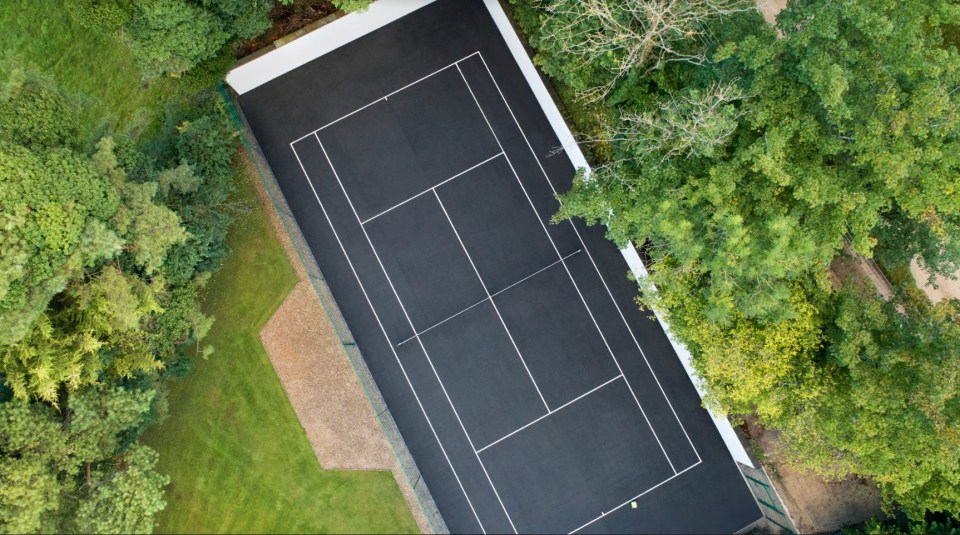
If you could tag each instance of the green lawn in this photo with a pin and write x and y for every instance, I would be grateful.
(95, 68)
(238, 459)
(237, 455)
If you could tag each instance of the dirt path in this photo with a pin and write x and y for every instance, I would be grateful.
(770, 8)
(319, 379)
(816, 505)
(945, 288)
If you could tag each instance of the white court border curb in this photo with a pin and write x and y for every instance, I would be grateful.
(324, 39)
(348, 28)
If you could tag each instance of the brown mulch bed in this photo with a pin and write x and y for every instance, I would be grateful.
(286, 20)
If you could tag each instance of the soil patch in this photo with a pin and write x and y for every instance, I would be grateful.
(944, 288)
(321, 385)
(770, 9)
(816, 505)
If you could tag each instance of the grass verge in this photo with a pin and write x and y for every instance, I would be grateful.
(237, 456)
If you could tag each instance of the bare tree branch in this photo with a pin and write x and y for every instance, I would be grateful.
(690, 124)
(634, 34)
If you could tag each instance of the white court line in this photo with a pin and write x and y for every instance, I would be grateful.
(550, 183)
(431, 188)
(605, 513)
(490, 297)
(593, 261)
(422, 346)
(578, 398)
(480, 302)
(590, 256)
(384, 331)
(569, 274)
(385, 97)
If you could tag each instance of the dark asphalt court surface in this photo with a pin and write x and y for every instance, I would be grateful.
(418, 164)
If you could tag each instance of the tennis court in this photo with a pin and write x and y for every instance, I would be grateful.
(531, 392)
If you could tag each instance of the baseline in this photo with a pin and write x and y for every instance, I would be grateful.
(561, 479)
(622, 505)
(385, 97)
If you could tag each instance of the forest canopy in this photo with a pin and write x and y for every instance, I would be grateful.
(108, 235)
(104, 253)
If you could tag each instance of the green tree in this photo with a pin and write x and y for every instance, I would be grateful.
(35, 114)
(181, 179)
(812, 158)
(347, 5)
(150, 228)
(932, 524)
(64, 214)
(33, 449)
(100, 330)
(125, 496)
(935, 243)
(100, 15)
(91, 324)
(111, 311)
(44, 360)
(55, 204)
(893, 411)
(207, 145)
(44, 452)
(243, 19)
(13, 251)
(606, 41)
(692, 123)
(172, 36)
